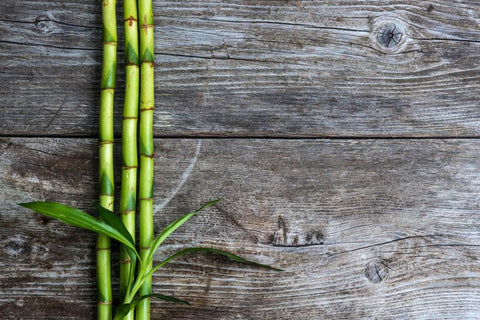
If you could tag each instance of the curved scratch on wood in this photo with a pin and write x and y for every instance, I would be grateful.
(181, 181)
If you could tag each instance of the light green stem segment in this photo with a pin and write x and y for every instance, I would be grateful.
(128, 191)
(106, 154)
(146, 145)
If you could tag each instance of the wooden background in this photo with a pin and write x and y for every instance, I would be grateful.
(342, 135)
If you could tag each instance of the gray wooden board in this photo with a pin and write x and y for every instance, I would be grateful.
(365, 229)
(254, 68)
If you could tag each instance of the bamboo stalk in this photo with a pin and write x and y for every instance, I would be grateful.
(146, 145)
(106, 154)
(128, 191)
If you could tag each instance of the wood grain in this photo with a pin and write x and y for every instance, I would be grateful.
(254, 68)
(365, 229)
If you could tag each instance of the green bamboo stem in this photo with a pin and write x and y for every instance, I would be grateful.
(146, 145)
(128, 191)
(106, 154)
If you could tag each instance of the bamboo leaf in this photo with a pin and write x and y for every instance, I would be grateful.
(165, 298)
(78, 218)
(125, 308)
(133, 263)
(122, 311)
(115, 222)
(174, 226)
(227, 254)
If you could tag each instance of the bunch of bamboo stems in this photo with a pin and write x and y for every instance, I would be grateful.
(136, 267)
(139, 96)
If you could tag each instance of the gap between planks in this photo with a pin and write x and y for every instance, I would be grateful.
(254, 137)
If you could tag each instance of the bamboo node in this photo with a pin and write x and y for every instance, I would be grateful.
(130, 21)
(130, 118)
(127, 211)
(146, 199)
(106, 195)
(102, 249)
(149, 62)
(147, 155)
(105, 142)
(110, 43)
(146, 109)
(107, 88)
(145, 248)
(131, 18)
(129, 167)
(146, 26)
(105, 302)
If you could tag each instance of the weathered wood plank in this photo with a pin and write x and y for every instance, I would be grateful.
(255, 68)
(366, 229)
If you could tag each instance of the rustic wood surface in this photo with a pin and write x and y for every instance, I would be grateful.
(254, 68)
(371, 229)
(343, 137)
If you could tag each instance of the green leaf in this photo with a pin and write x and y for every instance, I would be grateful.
(133, 264)
(227, 254)
(122, 311)
(174, 226)
(115, 222)
(164, 298)
(125, 308)
(78, 218)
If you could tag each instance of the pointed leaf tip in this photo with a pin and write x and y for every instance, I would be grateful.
(77, 218)
(167, 298)
(227, 254)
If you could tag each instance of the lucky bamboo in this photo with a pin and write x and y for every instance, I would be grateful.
(106, 154)
(135, 291)
(145, 13)
(128, 191)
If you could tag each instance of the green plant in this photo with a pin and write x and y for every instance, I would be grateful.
(106, 196)
(136, 261)
(147, 104)
(128, 192)
(111, 225)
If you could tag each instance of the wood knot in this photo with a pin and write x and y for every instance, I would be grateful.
(16, 247)
(389, 35)
(377, 270)
(45, 23)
